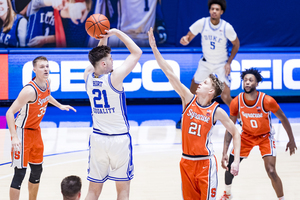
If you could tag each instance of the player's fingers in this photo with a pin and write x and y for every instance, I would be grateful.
(73, 109)
(84, 16)
(74, 21)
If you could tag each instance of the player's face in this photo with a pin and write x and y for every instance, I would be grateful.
(249, 83)
(215, 11)
(3, 7)
(204, 87)
(109, 62)
(41, 69)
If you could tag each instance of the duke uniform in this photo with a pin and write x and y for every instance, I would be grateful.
(110, 142)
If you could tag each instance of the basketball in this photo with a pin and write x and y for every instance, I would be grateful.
(96, 25)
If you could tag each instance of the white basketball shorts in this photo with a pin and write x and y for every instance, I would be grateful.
(110, 157)
(205, 68)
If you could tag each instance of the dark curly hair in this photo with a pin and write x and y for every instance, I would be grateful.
(222, 3)
(253, 71)
(97, 53)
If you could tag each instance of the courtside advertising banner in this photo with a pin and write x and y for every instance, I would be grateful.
(281, 72)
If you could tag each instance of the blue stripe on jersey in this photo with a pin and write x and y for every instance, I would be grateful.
(97, 131)
(123, 109)
(111, 86)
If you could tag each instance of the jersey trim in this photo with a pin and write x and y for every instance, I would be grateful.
(215, 29)
(97, 131)
(112, 87)
(195, 157)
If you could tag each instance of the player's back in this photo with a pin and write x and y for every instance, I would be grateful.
(108, 105)
(197, 123)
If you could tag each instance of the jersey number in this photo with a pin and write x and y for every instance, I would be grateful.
(212, 45)
(146, 6)
(194, 129)
(253, 123)
(98, 97)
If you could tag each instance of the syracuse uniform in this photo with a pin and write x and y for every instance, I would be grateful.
(257, 124)
(198, 165)
(28, 128)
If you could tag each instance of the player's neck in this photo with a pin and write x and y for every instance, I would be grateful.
(215, 21)
(41, 83)
(252, 95)
(203, 101)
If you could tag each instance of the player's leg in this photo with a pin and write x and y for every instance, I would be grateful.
(121, 164)
(123, 188)
(14, 191)
(225, 96)
(270, 162)
(34, 180)
(189, 187)
(193, 86)
(268, 151)
(94, 191)
(202, 72)
(220, 71)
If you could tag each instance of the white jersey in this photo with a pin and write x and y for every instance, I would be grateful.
(214, 39)
(136, 17)
(108, 106)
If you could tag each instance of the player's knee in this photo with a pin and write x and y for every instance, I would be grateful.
(18, 178)
(35, 174)
(271, 172)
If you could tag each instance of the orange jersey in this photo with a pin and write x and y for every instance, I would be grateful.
(197, 122)
(255, 115)
(32, 113)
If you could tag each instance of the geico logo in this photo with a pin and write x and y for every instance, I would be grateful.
(64, 75)
(268, 67)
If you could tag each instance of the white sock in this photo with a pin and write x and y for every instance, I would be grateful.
(228, 189)
(281, 198)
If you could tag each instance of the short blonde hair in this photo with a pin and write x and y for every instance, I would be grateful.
(217, 85)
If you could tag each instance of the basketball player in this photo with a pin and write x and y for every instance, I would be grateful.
(215, 33)
(198, 165)
(255, 110)
(71, 188)
(110, 143)
(13, 30)
(27, 144)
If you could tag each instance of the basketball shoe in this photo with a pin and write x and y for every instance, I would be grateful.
(226, 196)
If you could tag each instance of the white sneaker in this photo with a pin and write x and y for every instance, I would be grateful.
(226, 196)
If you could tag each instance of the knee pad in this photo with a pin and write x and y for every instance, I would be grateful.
(35, 174)
(18, 178)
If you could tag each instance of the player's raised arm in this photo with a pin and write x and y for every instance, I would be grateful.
(182, 90)
(121, 72)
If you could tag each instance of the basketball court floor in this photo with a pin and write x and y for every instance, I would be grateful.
(157, 152)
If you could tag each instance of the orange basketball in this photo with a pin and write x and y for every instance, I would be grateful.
(96, 25)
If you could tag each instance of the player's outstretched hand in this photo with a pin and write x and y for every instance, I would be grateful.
(292, 146)
(67, 108)
(184, 40)
(235, 168)
(152, 42)
(224, 162)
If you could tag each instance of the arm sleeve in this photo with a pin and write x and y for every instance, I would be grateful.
(22, 32)
(230, 32)
(270, 104)
(197, 27)
(234, 107)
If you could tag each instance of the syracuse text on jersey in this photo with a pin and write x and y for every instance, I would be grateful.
(252, 115)
(195, 115)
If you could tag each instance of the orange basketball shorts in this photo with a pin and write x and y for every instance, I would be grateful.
(199, 178)
(32, 148)
(266, 143)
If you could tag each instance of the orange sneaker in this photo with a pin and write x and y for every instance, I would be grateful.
(226, 196)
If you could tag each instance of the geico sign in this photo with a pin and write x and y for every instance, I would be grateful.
(63, 75)
(275, 67)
